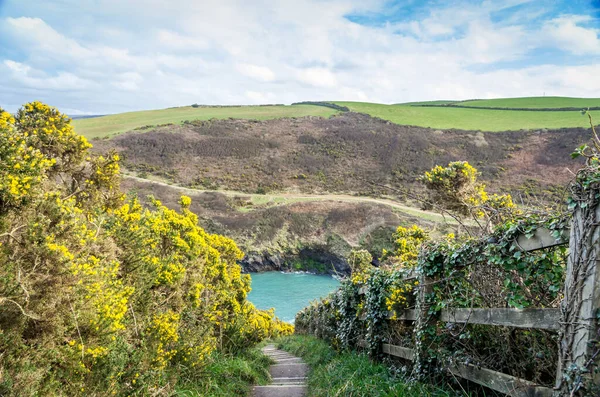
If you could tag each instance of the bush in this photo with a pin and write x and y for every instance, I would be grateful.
(97, 293)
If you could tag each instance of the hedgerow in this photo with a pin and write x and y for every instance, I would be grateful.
(472, 270)
(98, 293)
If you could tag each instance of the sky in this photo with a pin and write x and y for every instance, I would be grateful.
(111, 56)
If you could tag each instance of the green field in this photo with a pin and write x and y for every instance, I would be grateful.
(426, 103)
(118, 123)
(535, 102)
(471, 119)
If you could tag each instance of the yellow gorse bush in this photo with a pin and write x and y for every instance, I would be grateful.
(98, 292)
(360, 265)
(406, 246)
(455, 189)
(398, 295)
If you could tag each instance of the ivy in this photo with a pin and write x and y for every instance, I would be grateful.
(461, 273)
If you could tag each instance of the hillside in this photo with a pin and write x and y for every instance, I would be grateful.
(350, 153)
(283, 188)
(114, 124)
(292, 234)
(445, 117)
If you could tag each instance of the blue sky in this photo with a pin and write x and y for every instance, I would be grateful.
(107, 56)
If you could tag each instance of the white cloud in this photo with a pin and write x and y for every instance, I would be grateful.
(317, 77)
(259, 97)
(159, 53)
(38, 35)
(17, 67)
(175, 41)
(31, 78)
(566, 33)
(128, 81)
(260, 73)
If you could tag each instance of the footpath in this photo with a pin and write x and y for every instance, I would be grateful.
(288, 375)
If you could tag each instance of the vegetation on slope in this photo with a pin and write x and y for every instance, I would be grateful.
(98, 294)
(105, 126)
(274, 237)
(350, 153)
(470, 119)
(226, 375)
(478, 268)
(349, 373)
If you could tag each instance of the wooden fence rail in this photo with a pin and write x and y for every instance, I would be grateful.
(576, 322)
(547, 319)
(534, 318)
(494, 380)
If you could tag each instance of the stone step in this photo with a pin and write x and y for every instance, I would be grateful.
(289, 381)
(280, 356)
(288, 370)
(292, 360)
(280, 391)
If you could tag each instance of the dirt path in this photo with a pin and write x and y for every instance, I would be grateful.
(301, 197)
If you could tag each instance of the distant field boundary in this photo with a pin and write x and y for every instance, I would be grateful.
(450, 105)
(325, 104)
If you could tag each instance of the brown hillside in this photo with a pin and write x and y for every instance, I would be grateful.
(275, 237)
(342, 154)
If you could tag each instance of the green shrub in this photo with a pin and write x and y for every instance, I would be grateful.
(98, 294)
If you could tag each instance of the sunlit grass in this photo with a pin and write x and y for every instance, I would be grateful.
(351, 373)
(471, 119)
(99, 127)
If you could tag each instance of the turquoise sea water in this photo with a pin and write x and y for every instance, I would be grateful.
(288, 292)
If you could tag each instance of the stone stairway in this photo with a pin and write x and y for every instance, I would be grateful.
(288, 374)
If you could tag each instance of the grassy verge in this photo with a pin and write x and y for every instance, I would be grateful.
(350, 373)
(227, 376)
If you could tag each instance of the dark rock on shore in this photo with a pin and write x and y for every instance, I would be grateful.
(314, 260)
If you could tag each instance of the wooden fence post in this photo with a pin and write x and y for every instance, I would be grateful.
(422, 322)
(578, 348)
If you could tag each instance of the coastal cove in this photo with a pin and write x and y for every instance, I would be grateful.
(288, 293)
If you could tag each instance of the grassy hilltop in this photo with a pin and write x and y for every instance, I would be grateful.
(446, 117)
(534, 102)
(439, 114)
(123, 122)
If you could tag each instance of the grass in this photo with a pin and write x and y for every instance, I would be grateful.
(350, 374)
(227, 376)
(114, 124)
(471, 119)
(535, 102)
(440, 102)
